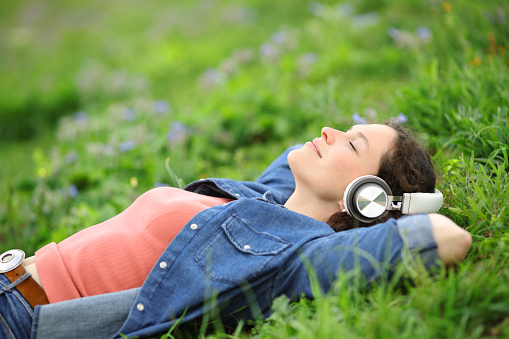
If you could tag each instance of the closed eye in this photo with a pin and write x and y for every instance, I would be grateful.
(353, 146)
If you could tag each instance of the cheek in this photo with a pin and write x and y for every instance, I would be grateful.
(346, 168)
(343, 164)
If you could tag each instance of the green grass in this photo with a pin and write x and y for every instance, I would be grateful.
(96, 97)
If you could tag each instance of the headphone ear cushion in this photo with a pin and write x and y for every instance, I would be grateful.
(366, 198)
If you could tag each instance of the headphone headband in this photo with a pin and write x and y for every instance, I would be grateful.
(368, 198)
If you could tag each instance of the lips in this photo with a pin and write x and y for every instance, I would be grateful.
(315, 145)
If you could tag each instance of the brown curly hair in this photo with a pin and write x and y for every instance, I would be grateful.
(406, 168)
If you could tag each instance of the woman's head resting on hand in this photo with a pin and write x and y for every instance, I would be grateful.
(325, 166)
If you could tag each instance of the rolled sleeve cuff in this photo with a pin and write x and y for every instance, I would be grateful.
(415, 230)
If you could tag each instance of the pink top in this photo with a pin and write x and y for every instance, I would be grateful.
(119, 253)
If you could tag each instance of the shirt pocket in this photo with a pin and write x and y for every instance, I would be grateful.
(238, 252)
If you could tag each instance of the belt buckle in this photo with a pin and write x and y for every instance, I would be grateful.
(10, 260)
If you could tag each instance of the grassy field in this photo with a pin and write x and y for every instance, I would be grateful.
(101, 101)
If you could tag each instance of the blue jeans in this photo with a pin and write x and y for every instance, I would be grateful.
(95, 317)
(16, 314)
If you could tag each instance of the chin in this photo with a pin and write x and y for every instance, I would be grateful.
(291, 156)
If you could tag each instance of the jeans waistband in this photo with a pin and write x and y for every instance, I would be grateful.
(13, 269)
(16, 314)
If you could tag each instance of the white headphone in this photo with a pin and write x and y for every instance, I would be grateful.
(368, 198)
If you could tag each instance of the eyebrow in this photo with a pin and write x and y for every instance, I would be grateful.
(362, 136)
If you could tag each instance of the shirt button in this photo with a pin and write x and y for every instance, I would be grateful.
(163, 264)
(246, 247)
(140, 307)
(194, 226)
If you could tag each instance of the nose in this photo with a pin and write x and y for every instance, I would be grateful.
(330, 134)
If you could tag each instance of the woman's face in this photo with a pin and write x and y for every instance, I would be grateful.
(326, 165)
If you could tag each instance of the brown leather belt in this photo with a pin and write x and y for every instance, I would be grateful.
(28, 288)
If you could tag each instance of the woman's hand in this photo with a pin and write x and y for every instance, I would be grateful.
(453, 241)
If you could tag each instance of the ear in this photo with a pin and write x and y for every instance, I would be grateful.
(341, 206)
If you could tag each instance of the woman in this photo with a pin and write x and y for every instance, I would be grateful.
(238, 244)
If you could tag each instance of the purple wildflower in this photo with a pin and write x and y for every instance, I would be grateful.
(178, 132)
(402, 118)
(80, 117)
(358, 119)
(161, 107)
(73, 191)
(126, 146)
(211, 77)
(394, 33)
(71, 157)
(268, 51)
(279, 37)
(423, 33)
(129, 114)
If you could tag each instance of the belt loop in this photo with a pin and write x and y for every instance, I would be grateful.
(15, 283)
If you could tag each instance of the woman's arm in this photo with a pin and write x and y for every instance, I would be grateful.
(374, 251)
(453, 242)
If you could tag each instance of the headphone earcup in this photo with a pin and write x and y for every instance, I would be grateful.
(366, 198)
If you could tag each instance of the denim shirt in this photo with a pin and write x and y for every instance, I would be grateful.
(243, 254)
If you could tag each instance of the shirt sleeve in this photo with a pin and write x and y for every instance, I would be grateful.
(368, 253)
(417, 236)
(278, 175)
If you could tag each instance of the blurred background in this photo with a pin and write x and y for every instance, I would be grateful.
(103, 100)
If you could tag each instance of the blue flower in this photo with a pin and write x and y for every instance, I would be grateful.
(394, 33)
(268, 51)
(279, 37)
(358, 119)
(73, 191)
(71, 157)
(423, 32)
(80, 117)
(211, 77)
(126, 146)
(130, 114)
(402, 118)
(161, 107)
(178, 132)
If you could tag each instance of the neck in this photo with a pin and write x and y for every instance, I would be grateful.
(311, 206)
